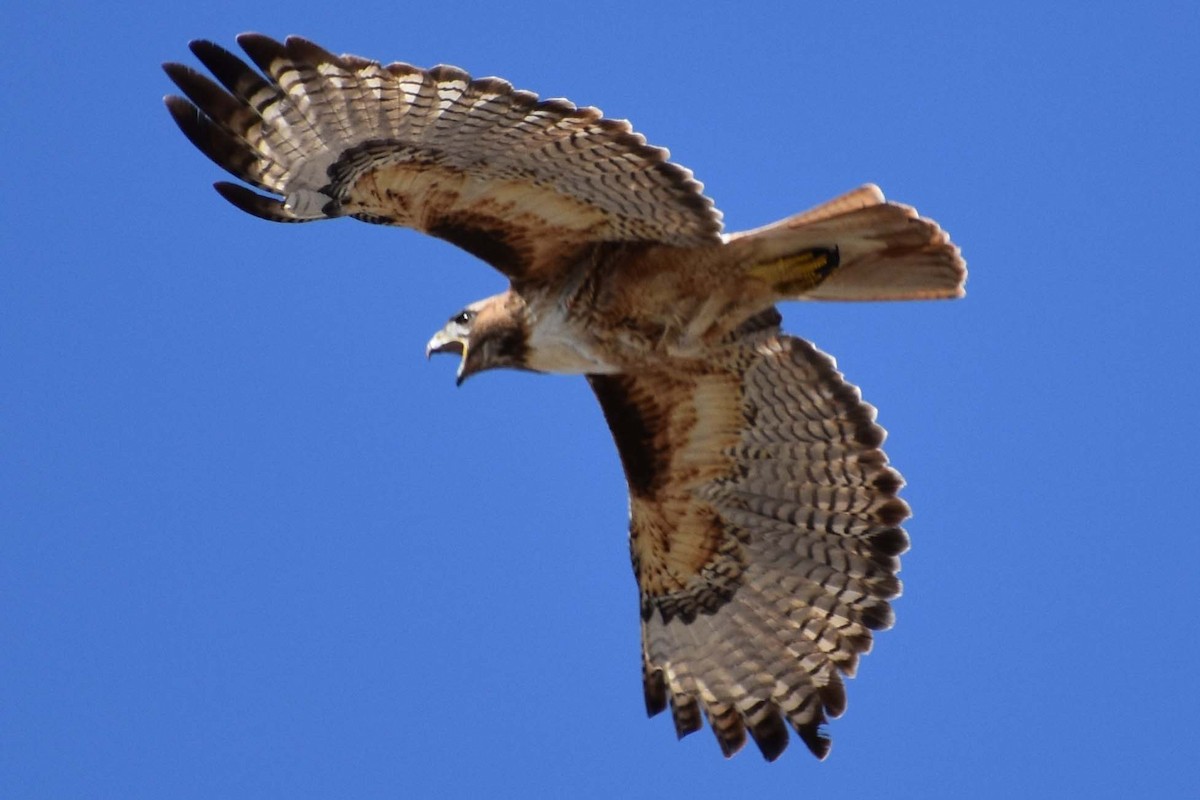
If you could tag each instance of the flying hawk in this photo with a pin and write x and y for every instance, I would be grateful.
(764, 518)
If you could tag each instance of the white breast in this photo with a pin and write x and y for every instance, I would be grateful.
(558, 346)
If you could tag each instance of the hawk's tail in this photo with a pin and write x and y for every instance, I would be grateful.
(855, 247)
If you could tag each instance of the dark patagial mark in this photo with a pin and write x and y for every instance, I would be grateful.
(645, 464)
(489, 244)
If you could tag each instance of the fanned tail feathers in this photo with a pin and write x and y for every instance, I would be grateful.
(855, 247)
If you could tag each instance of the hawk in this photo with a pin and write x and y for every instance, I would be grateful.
(765, 526)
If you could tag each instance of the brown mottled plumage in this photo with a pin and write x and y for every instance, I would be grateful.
(765, 523)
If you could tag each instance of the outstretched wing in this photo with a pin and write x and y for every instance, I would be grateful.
(764, 532)
(524, 184)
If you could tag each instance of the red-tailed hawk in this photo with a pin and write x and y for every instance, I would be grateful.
(764, 518)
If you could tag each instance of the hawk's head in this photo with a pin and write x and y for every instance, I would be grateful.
(487, 334)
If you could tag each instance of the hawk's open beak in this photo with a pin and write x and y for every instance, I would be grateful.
(446, 342)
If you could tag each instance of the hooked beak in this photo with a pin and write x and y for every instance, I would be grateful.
(446, 342)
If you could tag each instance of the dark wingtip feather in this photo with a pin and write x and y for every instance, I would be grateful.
(877, 616)
(771, 736)
(261, 49)
(685, 713)
(205, 50)
(655, 689)
(217, 104)
(728, 726)
(256, 39)
(173, 100)
(222, 148)
(225, 66)
(833, 695)
(173, 68)
(889, 481)
(815, 739)
(893, 512)
(195, 126)
(889, 541)
(180, 108)
(261, 206)
(731, 740)
(305, 51)
(201, 44)
(180, 75)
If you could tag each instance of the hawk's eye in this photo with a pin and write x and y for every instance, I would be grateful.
(463, 317)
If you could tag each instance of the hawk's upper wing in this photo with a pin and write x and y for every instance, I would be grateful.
(521, 183)
(764, 532)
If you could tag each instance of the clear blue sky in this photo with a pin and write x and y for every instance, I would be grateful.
(253, 545)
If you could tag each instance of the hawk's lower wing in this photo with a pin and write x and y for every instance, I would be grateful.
(764, 532)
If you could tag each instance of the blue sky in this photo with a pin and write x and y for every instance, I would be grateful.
(255, 546)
